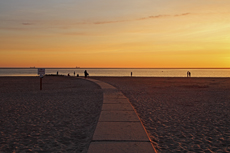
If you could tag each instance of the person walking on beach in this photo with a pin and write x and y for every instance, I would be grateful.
(188, 74)
(86, 73)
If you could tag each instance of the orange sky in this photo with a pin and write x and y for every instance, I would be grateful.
(99, 33)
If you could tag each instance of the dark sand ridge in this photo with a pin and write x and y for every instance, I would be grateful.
(60, 118)
(181, 114)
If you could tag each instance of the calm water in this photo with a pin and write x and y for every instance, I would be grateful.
(123, 72)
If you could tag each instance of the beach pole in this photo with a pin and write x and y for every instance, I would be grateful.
(41, 71)
(41, 82)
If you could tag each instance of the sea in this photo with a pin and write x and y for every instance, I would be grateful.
(118, 72)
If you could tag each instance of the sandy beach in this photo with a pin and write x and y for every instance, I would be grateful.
(181, 114)
(60, 118)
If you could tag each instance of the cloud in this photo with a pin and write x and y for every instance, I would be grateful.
(63, 24)
(184, 14)
(143, 18)
(26, 24)
(153, 17)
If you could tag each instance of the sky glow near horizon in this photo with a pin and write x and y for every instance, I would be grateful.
(109, 33)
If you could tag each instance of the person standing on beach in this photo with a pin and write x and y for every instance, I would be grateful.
(74, 73)
(86, 73)
(188, 74)
(131, 74)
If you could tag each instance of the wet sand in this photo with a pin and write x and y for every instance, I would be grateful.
(60, 118)
(181, 114)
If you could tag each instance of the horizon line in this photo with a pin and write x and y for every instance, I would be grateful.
(102, 68)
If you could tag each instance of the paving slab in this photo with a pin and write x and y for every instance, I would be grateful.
(115, 101)
(120, 147)
(118, 116)
(114, 96)
(116, 107)
(103, 85)
(112, 91)
(120, 131)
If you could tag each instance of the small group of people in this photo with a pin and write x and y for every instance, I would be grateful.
(85, 73)
(74, 74)
(188, 74)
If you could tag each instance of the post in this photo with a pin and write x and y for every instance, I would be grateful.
(40, 83)
(41, 72)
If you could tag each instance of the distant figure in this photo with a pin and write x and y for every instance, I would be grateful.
(77, 75)
(188, 74)
(86, 73)
(131, 74)
(74, 73)
(57, 72)
(68, 74)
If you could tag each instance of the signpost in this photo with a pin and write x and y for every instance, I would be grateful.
(41, 72)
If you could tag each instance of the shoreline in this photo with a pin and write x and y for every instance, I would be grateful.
(99, 68)
(114, 77)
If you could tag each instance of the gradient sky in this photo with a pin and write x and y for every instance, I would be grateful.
(111, 33)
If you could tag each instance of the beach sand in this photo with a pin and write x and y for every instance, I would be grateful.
(60, 118)
(181, 114)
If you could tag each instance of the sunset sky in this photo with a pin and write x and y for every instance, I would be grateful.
(113, 33)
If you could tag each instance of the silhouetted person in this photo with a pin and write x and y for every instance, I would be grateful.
(77, 75)
(131, 74)
(57, 72)
(74, 73)
(86, 73)
(188, 74)
(68, 74)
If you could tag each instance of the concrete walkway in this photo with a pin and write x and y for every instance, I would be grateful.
(119, 129)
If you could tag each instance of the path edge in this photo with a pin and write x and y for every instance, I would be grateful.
(98, 82)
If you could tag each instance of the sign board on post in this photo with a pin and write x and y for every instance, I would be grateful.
(41, 71)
